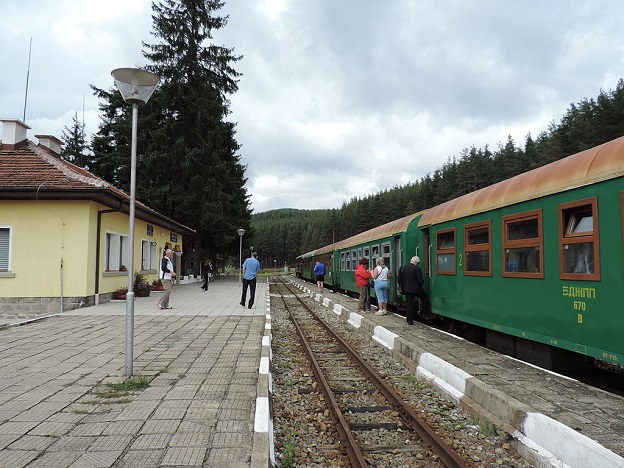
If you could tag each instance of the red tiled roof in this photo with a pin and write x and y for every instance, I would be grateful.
(33, 168)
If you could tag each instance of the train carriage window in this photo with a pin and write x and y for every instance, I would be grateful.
(353, 260)
(445, 252)
(343, 265)
(578, 240)
(367, 254)
(375, 252)
(523, 245)
(359, 257)
(385, 253)
(348, 261)
(478, 248)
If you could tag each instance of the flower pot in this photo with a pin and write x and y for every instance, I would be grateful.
(142, 293)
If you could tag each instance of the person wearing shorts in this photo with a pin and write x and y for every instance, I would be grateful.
(319, 271)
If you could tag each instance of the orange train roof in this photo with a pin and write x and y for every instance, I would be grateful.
(593, 165)
(379, 232)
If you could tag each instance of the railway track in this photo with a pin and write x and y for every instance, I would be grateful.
(370, 417)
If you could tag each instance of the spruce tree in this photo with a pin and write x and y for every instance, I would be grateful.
(188, 165)
(75, 147)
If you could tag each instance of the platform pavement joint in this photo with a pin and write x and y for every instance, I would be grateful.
(540, 439)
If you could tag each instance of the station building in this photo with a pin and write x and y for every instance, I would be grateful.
(64, 232)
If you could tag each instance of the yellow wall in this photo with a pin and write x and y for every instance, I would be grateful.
(48, 234)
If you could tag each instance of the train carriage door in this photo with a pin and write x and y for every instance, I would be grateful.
(396, 264)
(386, 254)
(425, 261)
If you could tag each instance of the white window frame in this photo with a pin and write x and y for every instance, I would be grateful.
(116, 250)
(9, 271)
(148, 255)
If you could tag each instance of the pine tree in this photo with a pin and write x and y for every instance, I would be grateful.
(188, 166)
(191, 167)
(75, 148)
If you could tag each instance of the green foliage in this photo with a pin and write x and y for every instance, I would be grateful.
(141, 283)
(75, 147)
(288, 453)
(131, 385)
(485, 426)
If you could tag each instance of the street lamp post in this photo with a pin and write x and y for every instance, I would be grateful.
(136, 87)
(241, 233)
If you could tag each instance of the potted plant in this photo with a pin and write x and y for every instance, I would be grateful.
(123, 268)
(120, 293)
(157, 285)
(141, 285)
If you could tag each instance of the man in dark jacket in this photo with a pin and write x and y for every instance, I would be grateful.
(410, 279)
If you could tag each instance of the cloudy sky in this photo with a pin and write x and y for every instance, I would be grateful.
(338, 98)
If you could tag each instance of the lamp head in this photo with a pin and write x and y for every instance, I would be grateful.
(136, 86)
(241, 232)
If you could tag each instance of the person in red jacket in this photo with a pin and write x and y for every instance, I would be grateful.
(362, 275)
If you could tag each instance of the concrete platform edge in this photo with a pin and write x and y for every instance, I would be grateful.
(263, 448)
(540, 439)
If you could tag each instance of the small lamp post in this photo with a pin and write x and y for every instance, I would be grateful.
(241, 233)
(136, 87)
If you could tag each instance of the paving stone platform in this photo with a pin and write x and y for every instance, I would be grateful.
(557, 421)
(205, 404)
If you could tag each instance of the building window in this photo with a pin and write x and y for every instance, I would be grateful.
(445, 252)
(148, 256)
(117, 251)
(523, 245)
(124, 249)
(578, 240)
(5, 249)
(478, 249)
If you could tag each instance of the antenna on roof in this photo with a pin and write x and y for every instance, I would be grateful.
(27, 76)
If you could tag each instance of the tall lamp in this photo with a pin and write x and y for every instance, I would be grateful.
(136, 87)
(241, 233)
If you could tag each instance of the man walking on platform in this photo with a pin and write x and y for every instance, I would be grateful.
(410, 279)
(251, 268)
(166, 275)
(319, 271)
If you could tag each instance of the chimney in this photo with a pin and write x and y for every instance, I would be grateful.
(51, 143)
(13, 134)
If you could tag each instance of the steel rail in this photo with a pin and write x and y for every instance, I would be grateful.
(356, 457)
(446, 454)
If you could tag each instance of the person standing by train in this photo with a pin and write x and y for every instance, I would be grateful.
(410, 280)
(381, 275)
(362, 275)
(319, 271)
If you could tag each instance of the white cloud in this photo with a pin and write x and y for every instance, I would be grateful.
(338, 99)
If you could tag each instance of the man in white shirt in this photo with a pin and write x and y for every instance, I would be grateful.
(166, 275)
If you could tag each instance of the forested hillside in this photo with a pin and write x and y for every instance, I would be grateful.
(281, 235)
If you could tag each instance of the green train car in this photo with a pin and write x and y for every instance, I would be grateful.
(534, 264)
(539, 257)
